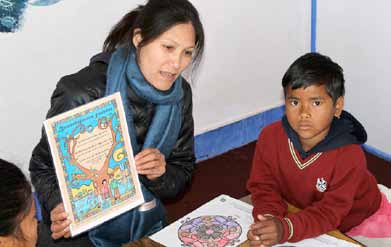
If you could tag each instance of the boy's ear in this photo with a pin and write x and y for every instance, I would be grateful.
(137, 38)
(339, 106)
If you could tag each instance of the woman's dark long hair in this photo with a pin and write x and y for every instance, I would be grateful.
(153, 19)
(15, 199)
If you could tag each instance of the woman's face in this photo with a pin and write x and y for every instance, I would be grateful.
(164, 59)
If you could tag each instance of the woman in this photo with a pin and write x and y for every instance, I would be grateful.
(18, 225)
(144, 56)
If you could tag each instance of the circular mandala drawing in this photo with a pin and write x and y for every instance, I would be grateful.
(210, 231)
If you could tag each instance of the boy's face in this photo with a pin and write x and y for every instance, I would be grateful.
(310, 112)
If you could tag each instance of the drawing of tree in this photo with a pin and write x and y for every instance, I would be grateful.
(96, 176)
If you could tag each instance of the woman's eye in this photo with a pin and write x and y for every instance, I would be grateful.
(189, 53)
(168, 47)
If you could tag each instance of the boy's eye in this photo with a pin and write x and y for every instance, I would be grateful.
(294, 102)
(316, 103)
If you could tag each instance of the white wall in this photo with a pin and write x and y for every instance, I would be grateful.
(249, 45)
(355, 33)
(54, 41)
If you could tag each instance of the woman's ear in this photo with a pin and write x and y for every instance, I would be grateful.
(339, 106)
(137, 38)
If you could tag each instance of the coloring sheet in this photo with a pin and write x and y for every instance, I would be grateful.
(223, 221)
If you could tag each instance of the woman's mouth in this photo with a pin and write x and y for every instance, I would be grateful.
(167, 75)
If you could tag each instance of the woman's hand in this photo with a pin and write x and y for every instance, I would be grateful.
(151, 163)
(60, 222)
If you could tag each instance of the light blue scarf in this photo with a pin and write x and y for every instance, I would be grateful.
(123, 71)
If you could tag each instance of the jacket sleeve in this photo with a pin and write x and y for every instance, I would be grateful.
(263, 183)
(180, 163)
(327, 214)
(42, 171)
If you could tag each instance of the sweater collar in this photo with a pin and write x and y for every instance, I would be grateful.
(343, 131)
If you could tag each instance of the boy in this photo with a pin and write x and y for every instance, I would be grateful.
(311, 159)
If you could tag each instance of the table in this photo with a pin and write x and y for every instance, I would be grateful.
(144, 242)
(147, 242)
(291, 208)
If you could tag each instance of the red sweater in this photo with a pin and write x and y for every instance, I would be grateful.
(334, 188)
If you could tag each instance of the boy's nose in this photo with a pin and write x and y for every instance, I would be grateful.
(304, 112)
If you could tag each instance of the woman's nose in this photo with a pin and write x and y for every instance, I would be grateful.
(176, 61)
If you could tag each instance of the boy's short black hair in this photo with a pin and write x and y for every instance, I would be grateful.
(315, 69)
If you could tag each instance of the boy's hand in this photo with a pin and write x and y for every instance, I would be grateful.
(253, 239)
(266, 232)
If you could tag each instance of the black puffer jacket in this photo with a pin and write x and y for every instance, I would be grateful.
(87, 85)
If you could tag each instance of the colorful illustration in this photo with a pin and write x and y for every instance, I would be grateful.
(11, 12)
(210, 231)
(43, 2)
(92, 160)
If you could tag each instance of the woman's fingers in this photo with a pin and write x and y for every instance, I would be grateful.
(152, 173)
(58, 213)
(60, 222)
(148, 155)
(151, 163)
(67, 233)
(60, 229)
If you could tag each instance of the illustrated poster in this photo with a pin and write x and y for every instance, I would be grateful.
(94, 162)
